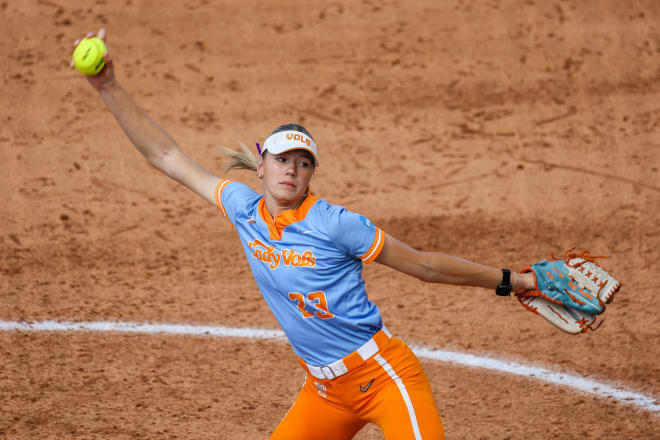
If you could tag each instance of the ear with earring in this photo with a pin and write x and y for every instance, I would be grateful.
(260, 170)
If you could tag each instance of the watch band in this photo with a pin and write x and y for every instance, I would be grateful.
(504, 289)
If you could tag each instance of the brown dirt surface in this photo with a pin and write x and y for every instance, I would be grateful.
(497, 130)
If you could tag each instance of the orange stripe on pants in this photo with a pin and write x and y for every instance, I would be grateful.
(390, 390)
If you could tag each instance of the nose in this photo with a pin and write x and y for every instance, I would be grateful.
(291, 168)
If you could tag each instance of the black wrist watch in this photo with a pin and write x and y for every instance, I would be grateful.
(504, 289)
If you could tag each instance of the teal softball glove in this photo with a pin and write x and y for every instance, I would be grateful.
(570, 291)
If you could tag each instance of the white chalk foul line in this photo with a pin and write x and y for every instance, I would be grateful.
(562, 379)
(134, 327)
(590, 386)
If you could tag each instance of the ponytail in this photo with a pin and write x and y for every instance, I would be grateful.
(243, 159)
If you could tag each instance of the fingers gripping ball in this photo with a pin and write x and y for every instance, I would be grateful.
(88, 56)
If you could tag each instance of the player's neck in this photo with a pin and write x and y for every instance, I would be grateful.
(276, 207)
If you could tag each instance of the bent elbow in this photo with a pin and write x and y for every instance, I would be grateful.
(428, 275)
(165, 161)
(427, 271)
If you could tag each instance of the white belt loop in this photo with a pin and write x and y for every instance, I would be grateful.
(369, 349)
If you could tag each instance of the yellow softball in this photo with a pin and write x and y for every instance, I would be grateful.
(88, 56)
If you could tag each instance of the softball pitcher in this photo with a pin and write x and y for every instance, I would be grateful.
(306, 256)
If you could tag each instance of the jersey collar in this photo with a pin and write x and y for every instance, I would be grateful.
(282, 220)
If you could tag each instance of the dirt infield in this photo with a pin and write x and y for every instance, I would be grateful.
(499, 131)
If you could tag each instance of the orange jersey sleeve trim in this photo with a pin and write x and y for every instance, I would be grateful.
(376, 247)
(218, 195)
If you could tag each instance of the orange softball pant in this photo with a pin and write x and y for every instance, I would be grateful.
(390, 389)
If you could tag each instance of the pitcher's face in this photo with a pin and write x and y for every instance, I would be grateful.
(286, 176)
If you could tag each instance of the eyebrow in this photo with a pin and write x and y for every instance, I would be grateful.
(307, 155)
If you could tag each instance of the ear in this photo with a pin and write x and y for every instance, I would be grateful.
(260, 167)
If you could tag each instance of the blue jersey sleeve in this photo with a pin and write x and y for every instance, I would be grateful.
(355, 234)
(231, 197)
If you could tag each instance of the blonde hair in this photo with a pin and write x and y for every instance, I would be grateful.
(242, 159)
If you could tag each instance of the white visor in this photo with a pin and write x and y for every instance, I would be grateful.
(291, 140)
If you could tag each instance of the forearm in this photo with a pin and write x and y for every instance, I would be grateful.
(441, 268)
(146, 135)
(435, 267)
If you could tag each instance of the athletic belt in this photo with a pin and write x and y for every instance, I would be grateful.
(353, 360)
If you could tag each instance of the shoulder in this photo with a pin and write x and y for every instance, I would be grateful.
(228, 188)
(326, 212)
(338, 219)
(323, 207)
(341, 214)
(233, 197)
(351, 232)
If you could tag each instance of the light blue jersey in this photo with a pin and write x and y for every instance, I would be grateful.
(308, 265)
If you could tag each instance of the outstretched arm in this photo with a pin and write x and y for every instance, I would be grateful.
(154, 142)
(435, 267)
